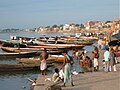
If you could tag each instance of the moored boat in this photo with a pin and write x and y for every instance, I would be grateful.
(58, 58)
(63, 45)
(16, 54)
(33, 60)
(79, 42)
(49, 47)
(31, 49)
(16, 67)
(14, 49)
(20, 67)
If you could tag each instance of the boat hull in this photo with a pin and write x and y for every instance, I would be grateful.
(58, 58)
(17, 55)
(19, 67)
(35, 61)
(70, 46)
(12, 49)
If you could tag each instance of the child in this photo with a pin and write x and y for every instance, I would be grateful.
(82, 58)
(61, 74)
(88, 64)
(57, 76)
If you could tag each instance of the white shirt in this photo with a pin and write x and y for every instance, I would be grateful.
(106, 55)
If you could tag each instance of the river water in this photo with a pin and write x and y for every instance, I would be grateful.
(18, 80)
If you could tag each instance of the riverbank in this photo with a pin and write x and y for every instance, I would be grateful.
(88, 81)
(76, 31)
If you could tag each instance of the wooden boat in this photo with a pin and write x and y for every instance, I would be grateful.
(17, 43)
(37, 50)
(35, 61)
(46, 40)
(63, 45)
(49, 47)
(59, 45)
(55, 52)
(70, 37)
(19, 67)
(16, 67)
(83, 43)
(50, 40)
(13, 49)
(13, 43)
(74, 38)
(79, 42)
(58, 58)
(16, 54)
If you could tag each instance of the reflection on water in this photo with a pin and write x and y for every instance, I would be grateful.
(8, 61)
(16, 80)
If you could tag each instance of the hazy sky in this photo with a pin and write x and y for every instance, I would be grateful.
(35, 13)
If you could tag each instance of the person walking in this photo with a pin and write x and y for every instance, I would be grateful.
(43, 65)
(67, 69)
(107, 59)
(112, 60)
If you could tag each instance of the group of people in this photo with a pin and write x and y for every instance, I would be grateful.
(67, 64)
(92, 64)
(110, 60)
(85, 62)
(110, 57)
(64, 74)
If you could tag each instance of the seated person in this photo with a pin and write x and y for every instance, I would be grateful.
(56, 77)
(61, 74)
(82, 59)
(88, 63)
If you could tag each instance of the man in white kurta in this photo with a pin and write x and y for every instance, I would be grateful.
(107, 59)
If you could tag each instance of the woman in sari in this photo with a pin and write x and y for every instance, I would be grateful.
(67, 69)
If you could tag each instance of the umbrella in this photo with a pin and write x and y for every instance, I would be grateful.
(117, 34)
(114, 43)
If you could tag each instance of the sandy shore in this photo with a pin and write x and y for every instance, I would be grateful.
(88, 81)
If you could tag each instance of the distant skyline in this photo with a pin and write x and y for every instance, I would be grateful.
(25, 14)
